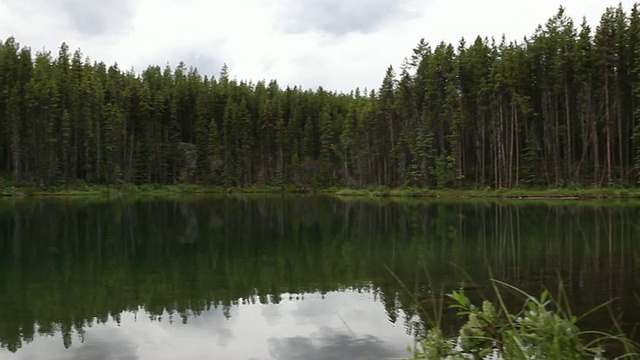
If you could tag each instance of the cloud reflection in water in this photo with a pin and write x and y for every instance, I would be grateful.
(341, 325)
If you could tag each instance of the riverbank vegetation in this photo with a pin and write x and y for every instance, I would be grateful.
(543, 329)
(128, 190)
(556, 109)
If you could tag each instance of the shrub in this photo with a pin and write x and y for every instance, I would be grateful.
(541, 330)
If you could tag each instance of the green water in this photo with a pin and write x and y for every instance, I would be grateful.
(272, 277)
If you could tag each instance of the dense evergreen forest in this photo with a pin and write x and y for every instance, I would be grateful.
(559, 108)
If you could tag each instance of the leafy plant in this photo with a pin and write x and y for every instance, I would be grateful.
(541, 330)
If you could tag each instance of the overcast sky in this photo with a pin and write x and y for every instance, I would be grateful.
(337, 44)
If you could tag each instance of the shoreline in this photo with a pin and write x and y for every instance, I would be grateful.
(608, 193)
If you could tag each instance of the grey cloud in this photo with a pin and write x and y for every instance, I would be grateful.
(207, 64)
(338, 17)
(109, 344)
(330, 345)
(271, 314)
(100, 17)
(214, 322)
(208, 61)
(315, 75)
(317, 309)
(122, 349)
(89, 18)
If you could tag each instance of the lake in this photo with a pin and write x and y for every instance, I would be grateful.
(292, 277)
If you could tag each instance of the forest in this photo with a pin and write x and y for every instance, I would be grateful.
(558, 108)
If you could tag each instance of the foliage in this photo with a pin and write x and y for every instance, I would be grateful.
(541, 330)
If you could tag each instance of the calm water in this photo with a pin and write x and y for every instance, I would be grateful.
(270, 277)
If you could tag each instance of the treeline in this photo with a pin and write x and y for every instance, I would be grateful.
(557, 109)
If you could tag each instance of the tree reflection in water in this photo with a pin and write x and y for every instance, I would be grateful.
(67, 264)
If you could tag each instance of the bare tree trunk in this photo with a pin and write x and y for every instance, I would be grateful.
(547, 136)
(517, 140)
(98, 153)
(555, 131)
(621, 137)
(607, 125)
(568, 143)
(131, 168)
(500, 146)
(594, 133)
(511, 151)
(483, 152)
(15, 149)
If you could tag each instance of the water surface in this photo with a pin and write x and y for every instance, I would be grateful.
(273, 277)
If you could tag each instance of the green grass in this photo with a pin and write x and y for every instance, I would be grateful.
(144, 190)
(82, 189)
(550, 193)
